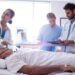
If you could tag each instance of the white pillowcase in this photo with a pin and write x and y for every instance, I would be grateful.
(65, 73)
(2, 64)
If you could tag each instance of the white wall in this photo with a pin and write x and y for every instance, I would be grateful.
(30, 16)
(57, 8)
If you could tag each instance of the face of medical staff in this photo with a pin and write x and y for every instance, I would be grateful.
(6, 16)
(52, 21)
(70, 14)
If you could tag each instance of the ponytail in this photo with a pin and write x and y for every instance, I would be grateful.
(10, 22)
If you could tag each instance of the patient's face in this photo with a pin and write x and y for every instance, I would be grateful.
(4, 53)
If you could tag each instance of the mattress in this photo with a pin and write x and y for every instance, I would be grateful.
(6, 72)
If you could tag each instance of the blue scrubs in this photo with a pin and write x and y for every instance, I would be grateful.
(47, 34)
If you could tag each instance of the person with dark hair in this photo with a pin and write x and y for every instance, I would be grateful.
(69, 10)
(68, 33)
(69, 6)
(49, 33)
(5, 33)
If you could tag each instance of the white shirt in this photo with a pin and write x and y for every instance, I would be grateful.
(7, 36)
(71, 36)
(37, 58)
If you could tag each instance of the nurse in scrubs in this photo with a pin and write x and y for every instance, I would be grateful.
(5, 33)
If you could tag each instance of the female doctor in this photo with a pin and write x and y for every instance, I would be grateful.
(5, 33)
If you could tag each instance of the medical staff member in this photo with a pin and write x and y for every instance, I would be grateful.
(49, 33)
(68, 33)
(5, 33)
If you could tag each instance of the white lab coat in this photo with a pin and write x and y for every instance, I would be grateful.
(71, 36)
(7, 36)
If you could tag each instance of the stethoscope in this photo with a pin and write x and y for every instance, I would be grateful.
(69, 31)
(71, 28)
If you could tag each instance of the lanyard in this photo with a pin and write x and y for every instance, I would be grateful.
(69, 31)
(2, 33)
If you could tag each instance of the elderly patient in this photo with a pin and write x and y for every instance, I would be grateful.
(37, 62)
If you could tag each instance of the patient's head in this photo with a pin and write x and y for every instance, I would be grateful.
(52, 19)
(5, 53)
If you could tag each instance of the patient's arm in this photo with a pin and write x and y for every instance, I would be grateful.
(70, 67)
(40, 70)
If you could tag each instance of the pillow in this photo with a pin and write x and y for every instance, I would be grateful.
(64, 73)
(2, 64)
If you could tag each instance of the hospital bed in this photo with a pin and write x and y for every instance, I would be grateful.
(65, 73)
(6, 72)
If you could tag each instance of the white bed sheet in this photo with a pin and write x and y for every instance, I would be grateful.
(65, 73)
(6, 72)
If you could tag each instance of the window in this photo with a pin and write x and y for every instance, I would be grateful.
(30, 16)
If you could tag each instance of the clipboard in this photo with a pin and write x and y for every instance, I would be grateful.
(56, 42)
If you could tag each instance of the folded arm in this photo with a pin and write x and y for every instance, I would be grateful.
(40, 70)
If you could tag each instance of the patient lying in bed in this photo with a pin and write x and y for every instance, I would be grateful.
(39, 62)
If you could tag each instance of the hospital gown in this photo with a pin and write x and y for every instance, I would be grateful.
(37, 58)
